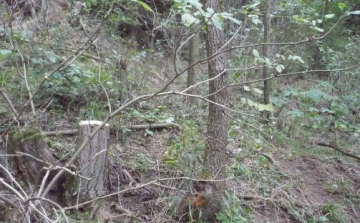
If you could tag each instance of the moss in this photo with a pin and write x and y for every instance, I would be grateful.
(27, 135)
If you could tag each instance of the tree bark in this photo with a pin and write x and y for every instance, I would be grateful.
(216, 156)
(193, 58)
(90, 165)
(121, 67)
(267, 83)
(33, 157)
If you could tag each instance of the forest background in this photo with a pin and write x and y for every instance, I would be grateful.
(217, 111)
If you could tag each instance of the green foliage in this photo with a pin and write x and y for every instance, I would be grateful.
(231, 210)
(158, 115)
(188, 19)
(333, 213)
(255, 105)
(186, 150)
(144, 5)
(141, 161)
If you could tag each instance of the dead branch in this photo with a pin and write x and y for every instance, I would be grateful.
(9, 202)
(133, 127)
(9, 102)
(341, 150)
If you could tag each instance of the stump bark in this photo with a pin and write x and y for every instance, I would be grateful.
(91, 180)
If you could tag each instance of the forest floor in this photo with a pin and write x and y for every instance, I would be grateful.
(296, 187)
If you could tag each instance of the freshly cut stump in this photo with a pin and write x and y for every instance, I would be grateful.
(90, 165)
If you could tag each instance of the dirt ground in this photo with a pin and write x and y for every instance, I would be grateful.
(306, 188)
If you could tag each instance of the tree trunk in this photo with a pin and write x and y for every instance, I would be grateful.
(90, 165)
(193, 58)
(121, 68)
(267, 83)
(216, 156)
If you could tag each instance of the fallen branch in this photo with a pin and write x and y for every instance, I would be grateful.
(152, 126)
(9, 202)
(133, 127)
(340, 150)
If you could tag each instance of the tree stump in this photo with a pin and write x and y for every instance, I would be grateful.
(33, 158)
(90, 165)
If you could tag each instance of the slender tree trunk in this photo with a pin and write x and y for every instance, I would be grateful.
(121, 68)
(216, 156)
(193, 58)
(267, 83)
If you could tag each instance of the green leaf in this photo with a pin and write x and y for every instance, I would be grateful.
(188, 19)
(323, 219)
(257, 90)
(315, 94)
(5, 52)
(342, 5)
(250, 102)
(254, 5)
(246, 88)
(230, 17)
(268, 62)
(268, 107)
(296, 58)
(319, 29)
(169, 120)
(144, 5)
(255, 53)
(195, 3)
(296, 113)
(255, 20)
(355, 12)
(300, 20)
(234, 20)
(312, 109)
(329, 16)
(217, 21)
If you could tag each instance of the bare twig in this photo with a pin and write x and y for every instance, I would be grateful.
(50, 201)
(43, 182)
(8, 201)
(24, 76)
(8, 186)
(107, 95)
(9, 102)
(12, 179)
(131, 179)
